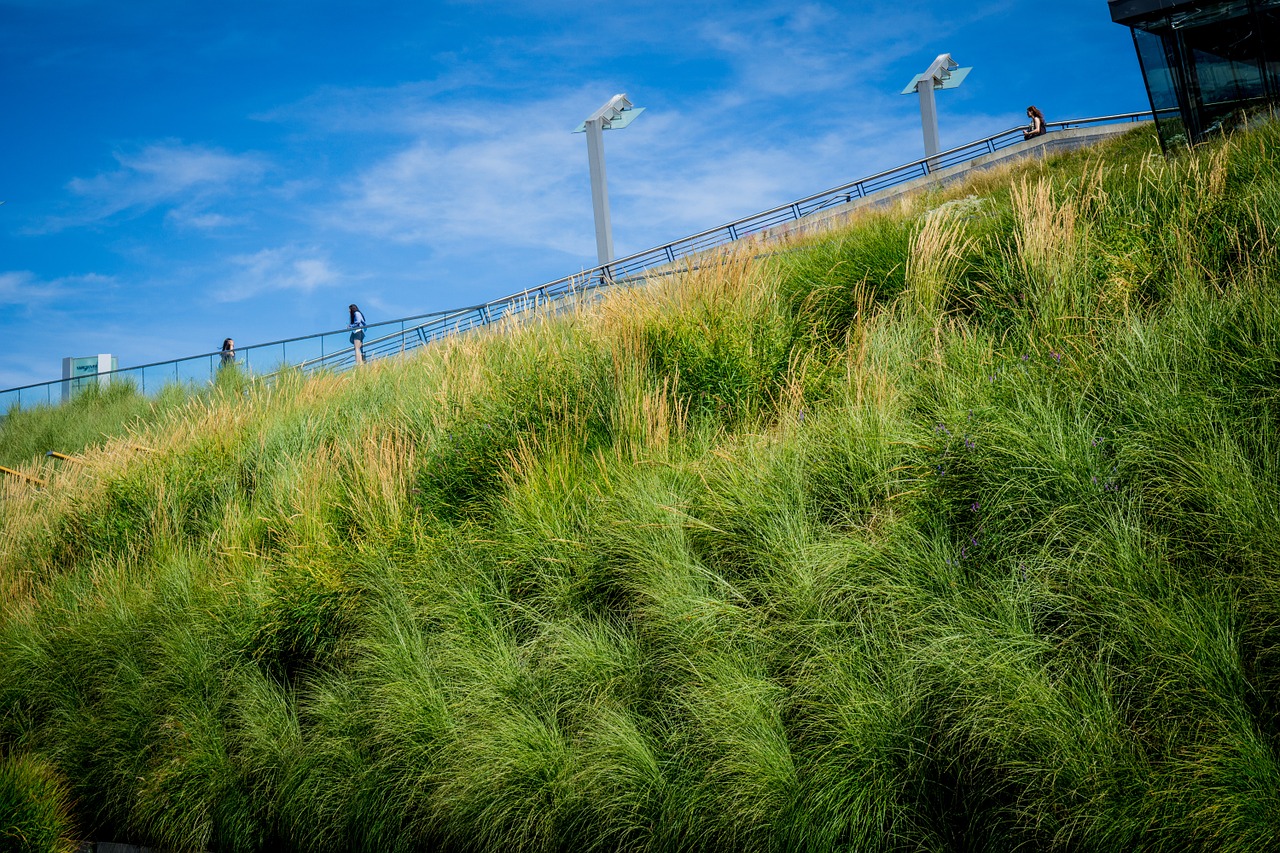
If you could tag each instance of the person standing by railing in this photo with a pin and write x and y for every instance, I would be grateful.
(228, 352)
(356, 326)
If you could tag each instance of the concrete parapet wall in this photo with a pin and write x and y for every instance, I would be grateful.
(1054, 142)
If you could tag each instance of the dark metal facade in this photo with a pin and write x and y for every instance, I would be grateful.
(1209, 65)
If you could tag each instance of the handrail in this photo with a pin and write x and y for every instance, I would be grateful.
(27, 477)
(412, 334)
(988, 144)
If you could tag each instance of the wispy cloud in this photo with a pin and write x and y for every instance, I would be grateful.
(43, 320)
(23, 289)
(291, 267)
(467, 184)
(469, 177)
(366, 110)
(458, 165)
(189, 216)
(785, 50)
(163, 174)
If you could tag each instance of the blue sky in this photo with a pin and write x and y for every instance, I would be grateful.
(177, 172)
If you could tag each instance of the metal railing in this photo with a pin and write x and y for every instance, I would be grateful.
(333, 350)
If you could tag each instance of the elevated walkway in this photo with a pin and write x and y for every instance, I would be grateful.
(1064, 139)
(333, 351)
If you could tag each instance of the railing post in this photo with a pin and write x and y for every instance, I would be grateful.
(795, 210)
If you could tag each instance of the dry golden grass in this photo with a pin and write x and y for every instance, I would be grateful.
(646, 419)
(729, 276)
(1046, 233)
(377, 469)
(936, 261)
(995, 179)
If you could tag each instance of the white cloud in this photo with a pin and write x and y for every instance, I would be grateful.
(787, 51)
(187, 217)
(169, 173)
(21, 288)
(366, 110)
(476, 175)
(43, 319)
(469, 184)
(501, 173)
(292, 267)
(24, 289)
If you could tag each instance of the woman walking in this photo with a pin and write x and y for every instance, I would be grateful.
(356, 326)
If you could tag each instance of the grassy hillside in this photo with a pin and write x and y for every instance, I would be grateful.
(95, 415)
(951, 530)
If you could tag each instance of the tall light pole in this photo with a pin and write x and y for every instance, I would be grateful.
(614, 115)
(942, 74)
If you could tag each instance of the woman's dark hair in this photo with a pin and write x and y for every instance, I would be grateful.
(226, 344)
(353, 308)
(1032, 111)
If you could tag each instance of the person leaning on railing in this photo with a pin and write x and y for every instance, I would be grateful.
(356, 326)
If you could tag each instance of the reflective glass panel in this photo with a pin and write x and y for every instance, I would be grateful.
(1225, 53)
(1155, 52)
(1268, 12)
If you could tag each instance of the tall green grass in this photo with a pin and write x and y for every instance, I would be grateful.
(35, 811)
(950, 530)
(95, 415)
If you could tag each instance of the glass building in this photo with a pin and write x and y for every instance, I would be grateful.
(1209, 64)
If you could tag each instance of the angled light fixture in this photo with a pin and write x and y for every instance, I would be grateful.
(616, 114)
(942, 74)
